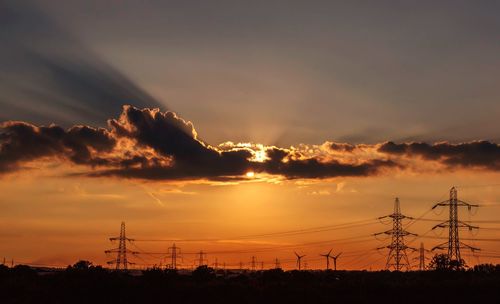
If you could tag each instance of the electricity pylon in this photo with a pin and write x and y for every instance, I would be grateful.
(253, 263)
(334, 258)
(299, 258)
(202, 258)
(121, 262)
(453, 223)
(421, 257)
(277, 264)
(174, 253)
(397, 258)
(327, 256)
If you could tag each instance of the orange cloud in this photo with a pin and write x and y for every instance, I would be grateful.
(154, 145)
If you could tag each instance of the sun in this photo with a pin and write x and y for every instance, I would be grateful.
(260, 155)
(250, 174)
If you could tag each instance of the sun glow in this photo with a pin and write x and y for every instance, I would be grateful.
(260, 156)
(250, 174)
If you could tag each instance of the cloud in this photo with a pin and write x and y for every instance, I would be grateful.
(480, 154)
(22, 142)
(153, 145)
(174, 138)
(342, 147)
(171, 136)
(314, 168)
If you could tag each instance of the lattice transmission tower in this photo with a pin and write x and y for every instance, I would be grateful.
(253, 263)
(422, 259)
(121, 262)
(454, 224)
(277, 264)
(174, 253)
(397, 258)
(202, 259)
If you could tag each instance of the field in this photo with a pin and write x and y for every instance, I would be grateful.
(23, 284)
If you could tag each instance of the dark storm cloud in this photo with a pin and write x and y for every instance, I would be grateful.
(154, 145)
(49, 74)
(483, 154)
(171, 136)
(165, 147)
(22, 142)
(303, 169)
(287, 163)
(313, 168)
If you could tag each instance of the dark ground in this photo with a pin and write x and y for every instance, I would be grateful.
(83, 284)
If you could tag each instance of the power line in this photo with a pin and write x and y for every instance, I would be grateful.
(348, 240)
(350, 225)
(467, 239)
(359, 239)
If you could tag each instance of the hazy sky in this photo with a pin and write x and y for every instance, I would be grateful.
(289, 72)
(309, 93)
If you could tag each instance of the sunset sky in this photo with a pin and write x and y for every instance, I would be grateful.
(245, 128)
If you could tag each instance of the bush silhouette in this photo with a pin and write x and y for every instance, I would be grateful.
(203, 274)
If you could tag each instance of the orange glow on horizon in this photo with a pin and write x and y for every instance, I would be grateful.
(224, 212)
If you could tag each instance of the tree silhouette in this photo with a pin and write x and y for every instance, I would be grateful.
(442, 262)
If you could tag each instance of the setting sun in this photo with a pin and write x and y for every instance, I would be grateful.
(250, 174)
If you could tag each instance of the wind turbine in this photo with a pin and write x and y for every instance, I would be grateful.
(334, 257)
(299, 257)
(327, 256)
